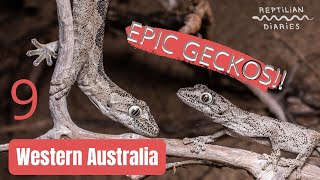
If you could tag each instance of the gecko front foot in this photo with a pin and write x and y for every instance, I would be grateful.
(59, 89)
(271, 160)
(292, 164)
(198, 143)
(44, 51)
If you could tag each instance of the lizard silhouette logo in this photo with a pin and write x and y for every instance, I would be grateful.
(282, 18)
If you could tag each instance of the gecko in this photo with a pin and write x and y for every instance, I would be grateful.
(238, 123)
(87, 70)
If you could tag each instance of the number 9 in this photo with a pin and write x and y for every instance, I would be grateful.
(33, 99)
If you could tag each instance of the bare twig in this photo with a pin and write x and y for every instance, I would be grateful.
(4, 147)
(174, 165)
(194, 21)
(189, 162)
(301, 60)
(273, 105)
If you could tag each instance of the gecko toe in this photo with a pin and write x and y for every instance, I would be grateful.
(33, 52)
(192, 150)
(293, 164)
(203, 147)
(186, 141)
(38, 60)
(60, 94)
(58, 90)
(263, 157)
(265, 166)
(53, 54)
(268, 160)
(49, 60)
(196, 150)
(274, 168)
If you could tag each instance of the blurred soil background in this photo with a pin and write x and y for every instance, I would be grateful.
(156, 79)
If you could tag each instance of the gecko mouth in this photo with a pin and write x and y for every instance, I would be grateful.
(222, 112)
(184, 95)
(146, 127)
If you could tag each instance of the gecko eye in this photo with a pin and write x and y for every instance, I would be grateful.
(206, 98)
(135, 111)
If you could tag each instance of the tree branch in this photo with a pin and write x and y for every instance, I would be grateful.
(175, 165)
(268, 99)
(58, 108)
(231, 157)
(194, 21)
(301, 59)
(4, 147)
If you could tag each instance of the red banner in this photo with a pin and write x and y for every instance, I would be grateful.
(202, 52)
(87, 157)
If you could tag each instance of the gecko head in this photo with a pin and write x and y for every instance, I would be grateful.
(132, 113)
(203, 99)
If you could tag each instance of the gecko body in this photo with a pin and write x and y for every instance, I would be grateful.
(87, 69)
(241, 124)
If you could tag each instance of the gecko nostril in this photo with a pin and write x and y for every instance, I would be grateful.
(108, 105)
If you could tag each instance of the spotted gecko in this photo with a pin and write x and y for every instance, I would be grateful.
(280, 135)
(87, 69)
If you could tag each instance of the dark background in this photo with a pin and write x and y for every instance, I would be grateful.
(156, 79)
